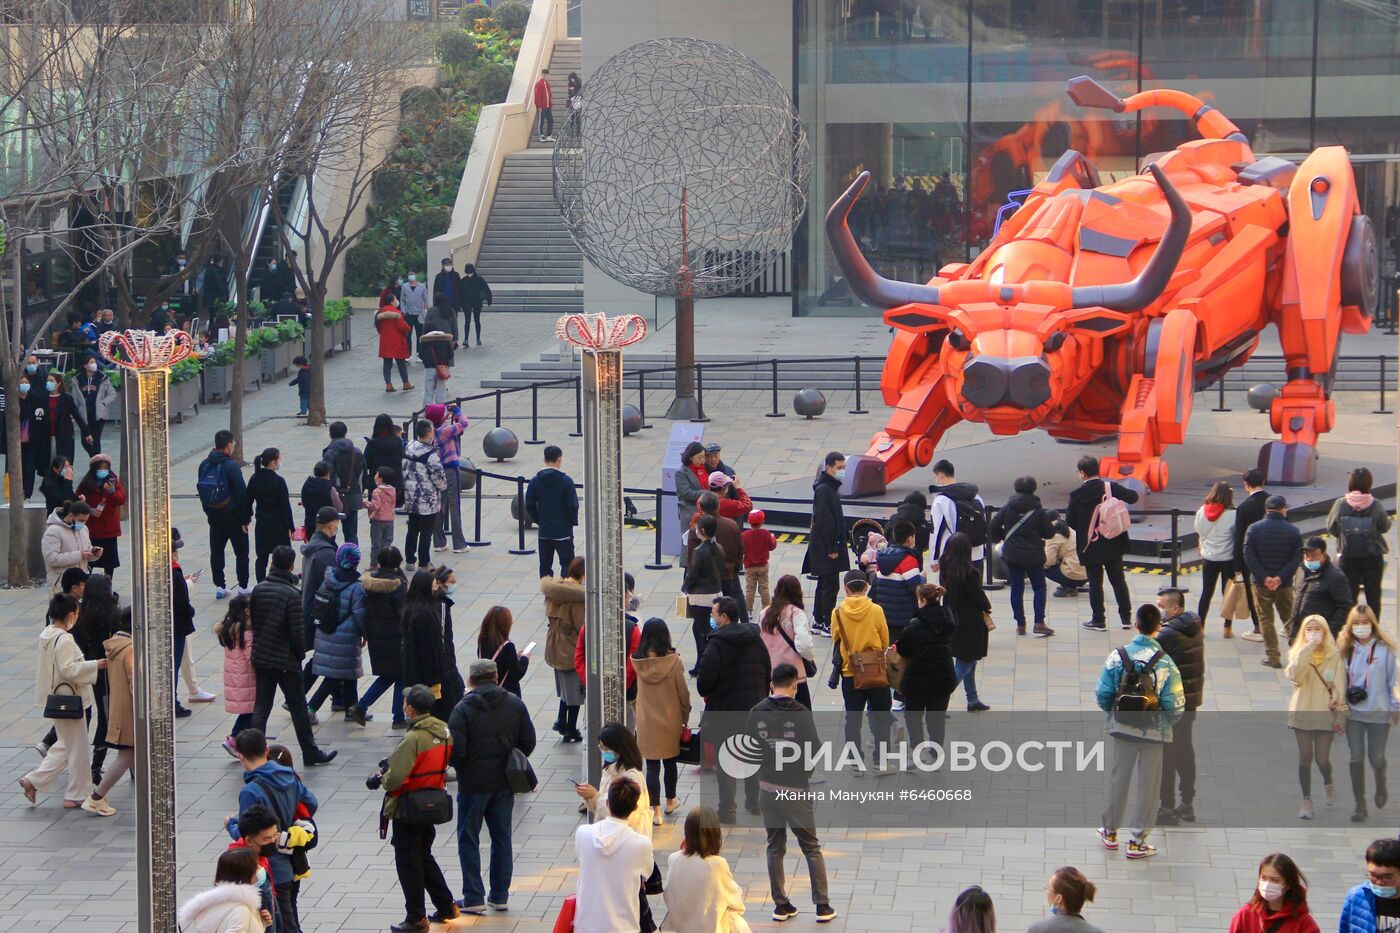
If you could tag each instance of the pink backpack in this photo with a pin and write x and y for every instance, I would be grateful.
(1110, 518)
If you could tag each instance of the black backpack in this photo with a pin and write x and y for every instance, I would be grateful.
(1137, 685)
(325, 610)
(1359, 537)
(972, 521)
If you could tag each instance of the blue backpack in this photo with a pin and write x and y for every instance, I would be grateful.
(213, 485)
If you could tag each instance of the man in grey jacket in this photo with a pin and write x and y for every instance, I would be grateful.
(413, 301)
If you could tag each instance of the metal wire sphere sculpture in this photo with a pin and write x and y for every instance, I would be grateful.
(683, 171)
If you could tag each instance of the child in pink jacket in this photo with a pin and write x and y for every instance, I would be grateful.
(381, 513)
(235, 634)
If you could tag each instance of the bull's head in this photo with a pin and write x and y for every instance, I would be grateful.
(1005, 342)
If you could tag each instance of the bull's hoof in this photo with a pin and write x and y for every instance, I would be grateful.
(1292, 464)
(865, 476)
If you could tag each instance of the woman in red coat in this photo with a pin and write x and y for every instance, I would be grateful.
(104, 493)
(393, 330)
(1280, 901)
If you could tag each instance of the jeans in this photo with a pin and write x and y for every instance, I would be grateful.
(1058, 576)
(377, 690)
(294, 693)
(779, 816)
(381, 535)
(1179, 762)
(1365, 572)
(1213, 573)
(824, 601)
(495, 810)
(223, 532)
(654, 769)
(1116, 579)
(418, 871)
(877, 700)
(420, 534)
(735, 591)
(966, 672)
(549, 548)
(451, 513)
(1017, 577)
(1145, 758)
(305, 401)
(546, 122)
(389, 371)
(94, 429)
(1368, 740)
(433, 390)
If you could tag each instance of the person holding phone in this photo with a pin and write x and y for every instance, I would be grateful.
(66, 542)
(103, 491)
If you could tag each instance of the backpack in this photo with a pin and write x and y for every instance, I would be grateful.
(325, 610)
(972, 521)
(1137, 685)
(343, 474)
(1359, 538)
(1110, 518)
(212, 485)
(520, 777)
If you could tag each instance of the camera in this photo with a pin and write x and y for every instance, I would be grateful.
(374, 781)
(1356, 695)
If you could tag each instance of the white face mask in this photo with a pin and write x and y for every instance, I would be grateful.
(1362, 632)
(1314, 638)
(91, 367)
(1270, 890)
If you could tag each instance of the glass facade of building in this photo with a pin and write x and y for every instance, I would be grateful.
(952, 105)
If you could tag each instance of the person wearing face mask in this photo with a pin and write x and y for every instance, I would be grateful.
(475, 294)
(273, 508)
(104, 492)
(78, 338)
(1183, 638)
(1375, 904)
(1372, 705)
(453, 686)
(160, 318)
(563, 607)
(33, 434)
(621, 760)
(1323, 590)
(279, 282)
(57, 485)
(447, 290)
(1280, 901)
(1318, 707)
(733, 677)
(62, 422)
(827, 555)
(633, 635)
(66, 543)
(413, 300)
(1066, 894)
(97, 399)
(703, 581)
(213, 285)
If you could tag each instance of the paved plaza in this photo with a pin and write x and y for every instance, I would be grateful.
(66, 870)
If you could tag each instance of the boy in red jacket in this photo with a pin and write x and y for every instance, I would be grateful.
(544, 103)
(759, 542)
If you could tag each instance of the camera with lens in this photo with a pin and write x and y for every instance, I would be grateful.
(1356, 695)
(374, 781)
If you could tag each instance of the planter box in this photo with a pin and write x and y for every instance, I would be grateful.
(218, 381)
(34, 518)
(184, 396)
(275, 361)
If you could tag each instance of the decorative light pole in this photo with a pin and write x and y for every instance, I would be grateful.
(147, 358)
(602, 339)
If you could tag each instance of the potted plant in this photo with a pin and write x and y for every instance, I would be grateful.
(267, 340)
(338, 325)
(218, 371)
(289, 334)
(184, 388)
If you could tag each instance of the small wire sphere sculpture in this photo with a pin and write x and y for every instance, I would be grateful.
(683, 171)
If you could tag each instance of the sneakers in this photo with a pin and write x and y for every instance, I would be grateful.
(782, 912)
(221, 593)
(1095, 626)
(245, 590)
(1329, 794)
(1062, 591)
(203, 696)
(978, 707)
(181, 712)
(464, 549)
(229, 747)
(1137, 850)
(1042, 631)
(98, 807)
(1109, 838)
(572, 736)
(466, 908)
(825, 913)
(441, 549)
(1167, 816)
(1186, 812)
(1267, 663)
(1252, 636)
(497, 905)
(823, 630)
(398, 725)
(897, 706)
(1305, 812)
(410, 569)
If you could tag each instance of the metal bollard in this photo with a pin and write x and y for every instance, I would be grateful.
(534, 414)
(520, 547)
(578, 408)
(699, 394)
(859, 409)
(1176, 547)
(656, 563)
(642, 398)
(1382, 410)
(775, 413)
(1220, 405)
(479, 541)
(498, 408)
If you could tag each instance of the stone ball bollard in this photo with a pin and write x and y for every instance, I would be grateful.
(500, 444)
(631, 419)
(1261, 397)
(467, 472)
(516, 507)
(809, 403)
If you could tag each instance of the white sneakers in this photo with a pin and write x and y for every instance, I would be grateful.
(203, 696)
(98, 807)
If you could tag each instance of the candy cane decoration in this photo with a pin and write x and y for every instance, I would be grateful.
(600, 332)
(145, 349)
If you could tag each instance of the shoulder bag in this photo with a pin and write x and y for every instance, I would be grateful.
(427, 806)
(62, 705)
(1000, 545)
(870, 670)
(809, 668)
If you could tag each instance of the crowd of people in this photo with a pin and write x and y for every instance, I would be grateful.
(904, 607)
(406, 314)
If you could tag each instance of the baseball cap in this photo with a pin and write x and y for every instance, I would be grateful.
(856, 576)
(1276, 503)
(719, 479)
(327, 514)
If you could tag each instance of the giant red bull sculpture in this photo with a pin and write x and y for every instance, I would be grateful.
(1097, 310)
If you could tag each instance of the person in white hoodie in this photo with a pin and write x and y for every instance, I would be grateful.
(613, 861)
(233, 904)
(701, 893)
(1215, 533)
(61, 669)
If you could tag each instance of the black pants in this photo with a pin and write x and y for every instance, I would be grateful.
(654, 769)
(294, 693)
(700, 628)
(546, 121)
(263, 548)
(1365, 572)
(95, 430)
(286, 894)
(419, 538)
(418, 871)
(923, 715)
(734, 589)
(549, 548)
(1118, 581)
(223, 532)
(1213, 573)
(856, 702)
(29, 465)
(389, 370)
(470, 314)
(828, 585)
(727, 793)
(1179, 762)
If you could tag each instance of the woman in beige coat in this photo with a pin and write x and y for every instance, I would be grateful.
(121, 707)
(1317, 710)
(66, 543)
(663, 709)
(62, 669)
(563, 607)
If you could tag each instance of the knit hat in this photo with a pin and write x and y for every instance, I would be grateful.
(348, 555)
(719, 479)
(1275, 503)
(435, 413)
(93, 460)
(756, 518)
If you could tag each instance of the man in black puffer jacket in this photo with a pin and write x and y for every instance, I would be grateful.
(1324, 591)
(1023, 526)
(1183, 638)
(487, 724)
(732, 676)
(1102, 555)
(275, 607)
(1273, 549)
(898, 576)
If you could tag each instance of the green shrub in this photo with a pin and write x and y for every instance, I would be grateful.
(489, 82)
(389, 185)
(426, 223)
(456, 52)
(290, 331)
(365, 265)
(183, 371)
(471, 12)
(338, 310)
(422, 104)
(452, 143)
(512, 16)
(222, 355)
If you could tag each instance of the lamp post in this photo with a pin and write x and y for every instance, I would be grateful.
(147, 357)
(602, 339)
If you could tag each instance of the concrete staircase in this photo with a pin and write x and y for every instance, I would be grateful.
(566, 57)
(526, 253)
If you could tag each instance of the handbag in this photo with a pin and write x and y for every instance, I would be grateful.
(1236, 605)
(691, 749)
(564, 923)
(809, 668)
(653, 886)
(998, 546)
(62, 705)
(895, 662)
(520, 776)
(428, 806)
(442, 372)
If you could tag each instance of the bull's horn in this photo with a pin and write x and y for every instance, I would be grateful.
(1153, 279)
(865, 283)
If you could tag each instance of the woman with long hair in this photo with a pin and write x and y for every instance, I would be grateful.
(787, 633)
(563, 607)
(494, 642)
(966, 602)
(702, 582)
(386, 590)
(422, 633)
(57, 484)
(930, 675)
(104, 493)
(973, 911)
(621, 758)
(99, 614)
(66, 543)
(1279, 903)
(121, 713)
(1359, 521)
(1215, 530)
(1318, 706)
(1372, 706)
(692, 479)
(269, 495)
(64, 421)
(1066, 893)
(663, 709)
(235, 636)
(701, 893)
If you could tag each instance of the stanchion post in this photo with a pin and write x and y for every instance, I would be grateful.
(1382, 410)
(1220, 404)
(656, 562)
(498, 408)
(578, 408)
(775, 413)
(520, 547)
(534, 414)
(859, 409)
(1176, 547)
(699, 394)
(480, 541)
(642, 398)
(991, 581)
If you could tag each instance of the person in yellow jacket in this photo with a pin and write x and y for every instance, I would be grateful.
(1318, 708)
(858, 624)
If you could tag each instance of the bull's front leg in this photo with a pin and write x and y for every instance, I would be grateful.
(921, 416)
